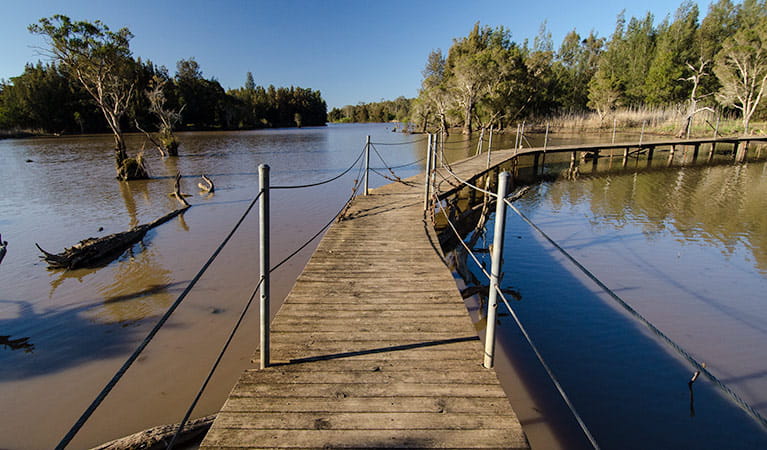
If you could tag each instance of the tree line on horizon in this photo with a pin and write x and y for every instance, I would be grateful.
(685, 62)
(47, 98)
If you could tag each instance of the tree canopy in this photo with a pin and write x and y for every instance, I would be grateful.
(487, 79)
(58, 96)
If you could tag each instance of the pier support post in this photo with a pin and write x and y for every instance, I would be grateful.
(428, 176)
(742, 152)
(367, 164)
(263, 230)
(495, 270)
(695, 152)
(671, 155)
(625, 156)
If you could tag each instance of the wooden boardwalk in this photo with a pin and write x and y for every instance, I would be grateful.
(373, 348)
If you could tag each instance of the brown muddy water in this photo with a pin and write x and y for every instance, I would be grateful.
(64, 334)
(685, 245)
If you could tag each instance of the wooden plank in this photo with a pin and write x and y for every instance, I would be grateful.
(373, 347)
(463, 405)
(238, 438)
(363, 420)
(375, 375)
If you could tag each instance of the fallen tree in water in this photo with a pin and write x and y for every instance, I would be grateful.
(97, 252)
(158, 438)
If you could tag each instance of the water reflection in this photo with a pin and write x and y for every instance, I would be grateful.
(685, 246)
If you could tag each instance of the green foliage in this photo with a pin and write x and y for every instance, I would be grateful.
(398, 110)
(59, 97)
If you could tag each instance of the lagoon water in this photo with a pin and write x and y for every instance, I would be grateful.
(685, 246)
(64, 334)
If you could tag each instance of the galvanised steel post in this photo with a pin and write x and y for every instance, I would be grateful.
(426, 180)
(495, 269)
(367, 164)
(263, 230)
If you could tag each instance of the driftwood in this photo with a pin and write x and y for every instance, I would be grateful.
(208, 187)
(97, 252)
(158, 438)
(177, 191)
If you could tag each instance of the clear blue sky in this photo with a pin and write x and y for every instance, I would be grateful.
(351, 51)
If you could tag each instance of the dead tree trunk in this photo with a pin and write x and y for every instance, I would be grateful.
(97, 252)
(158, 438)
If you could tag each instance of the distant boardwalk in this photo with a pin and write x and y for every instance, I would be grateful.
(372, 348)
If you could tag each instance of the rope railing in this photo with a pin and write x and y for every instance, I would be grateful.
(466, 183)
(699, 367)
(319, 183)
(526, 335)
(423, 139)
(667, 340)
(132, 358)
(169, 312)
(401, 165)
(214, 367)
(244, 312)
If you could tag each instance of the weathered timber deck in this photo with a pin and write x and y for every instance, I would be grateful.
(372, 348)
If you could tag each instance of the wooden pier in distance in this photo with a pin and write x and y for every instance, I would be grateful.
(373, 348)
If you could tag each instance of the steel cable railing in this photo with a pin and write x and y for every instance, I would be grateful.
(667, 340)
(527, 337)
(132, 358)
(244, 312)
(153, 332)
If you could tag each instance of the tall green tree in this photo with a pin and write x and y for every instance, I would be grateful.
(575, 64)
(101, 60)
(675, 50)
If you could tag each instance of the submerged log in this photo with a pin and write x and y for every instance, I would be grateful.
(158, 438)
(97, 252)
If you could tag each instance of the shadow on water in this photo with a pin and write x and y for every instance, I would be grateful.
(66, 339)
(629, 387)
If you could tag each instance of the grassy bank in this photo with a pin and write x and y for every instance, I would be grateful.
(664, 120)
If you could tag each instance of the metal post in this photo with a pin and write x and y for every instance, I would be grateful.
(433, 169)
(489, 147)
(546, 138)
(263, 230)
(426, 180)
(367, 164)
(615, 122)
(495, 271)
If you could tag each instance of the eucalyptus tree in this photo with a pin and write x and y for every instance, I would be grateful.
(472, 68)
(100, 59)
(575, 64)
(741, 67)
(434, 96)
